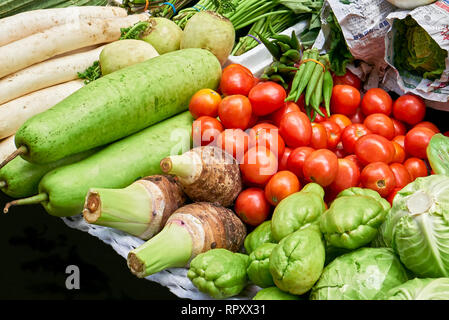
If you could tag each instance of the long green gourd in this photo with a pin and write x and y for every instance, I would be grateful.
(21, 178)
(117, 105)
(62, 191)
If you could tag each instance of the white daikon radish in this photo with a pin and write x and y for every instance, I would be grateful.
(14, 113)
(44, 45)
(25, 24)
(46, 74)
(7, 146)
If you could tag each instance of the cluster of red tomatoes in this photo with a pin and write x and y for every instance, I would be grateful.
(370, 141)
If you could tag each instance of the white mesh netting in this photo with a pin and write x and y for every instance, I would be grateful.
(175, 279)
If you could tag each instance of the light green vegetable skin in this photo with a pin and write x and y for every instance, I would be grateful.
(363, 274)
(62, 191)
(297, 211)
(438, 154)
(421, 289)
(142, 94)
(260, 235)
(274, 293)
(353, 218)
(297, 261)
(219, 272)
(21, 178)
(259, 266)
(417, 227)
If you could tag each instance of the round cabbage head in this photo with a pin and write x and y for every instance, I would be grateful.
(417, 226)
(363, 274)
(421, 289)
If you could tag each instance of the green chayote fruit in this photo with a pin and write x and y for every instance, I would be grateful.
(352, 221)
(219, 273)
(259, 266)
(260, 235)
(297, 261)
(297, 211)
(274, 293)
(366, 192)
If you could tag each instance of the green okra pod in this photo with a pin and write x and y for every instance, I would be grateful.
(297, 78)
(308, 70)
(316, 96)
(316, 74)
(328, 84)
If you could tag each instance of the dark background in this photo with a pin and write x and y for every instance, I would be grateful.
(36, 248)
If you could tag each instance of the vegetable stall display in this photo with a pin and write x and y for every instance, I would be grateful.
(305, 181)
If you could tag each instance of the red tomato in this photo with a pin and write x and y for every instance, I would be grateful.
(236, 65)
(276, 116)
(341, 120)
(319, 136)
(401, 174)
(266, 97)
(252, 207)
(205, 130)
(416, 142)
(400, 140)
(280, 186)
(351, 134)
(253, 120)
(235, 112)
(378, 177)
(356, 161)
(380, 124)
(205, 102)
(345, 100)
(416, 167)
(318, 118)
(348, 175)
(284, 159)
(446, 133)
(234, 141)
(259, 165)
(297, 158)
(377, 100)
(428, 125)
(321, 167)
(340, 151)
(267, 135)
(295, 129)
(349, 79)
(409, 108)
(236, 80)
(374, 148)
(392, 194)
(399, 128)
(333, 134)
(399, 153)
(358, 117)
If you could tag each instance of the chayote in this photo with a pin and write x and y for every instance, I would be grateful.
(366, 192)
(297, 211)
(259, 266)
(274, 293)
(219, 273)
(352, 221)
(297, 260)
(260, 235)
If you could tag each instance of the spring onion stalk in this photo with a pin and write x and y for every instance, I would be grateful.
(157, 8)
(171, 248)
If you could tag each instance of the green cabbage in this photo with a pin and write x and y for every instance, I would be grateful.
(363, 274)
(417, 226)
(415, 50)
(421, 289)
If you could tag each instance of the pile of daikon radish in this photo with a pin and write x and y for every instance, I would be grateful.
(41, 53)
